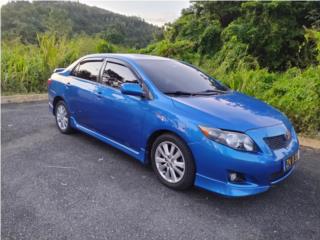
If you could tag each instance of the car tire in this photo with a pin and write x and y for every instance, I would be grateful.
(62, 116)
(174, 171)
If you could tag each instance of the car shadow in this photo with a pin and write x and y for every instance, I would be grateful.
(289, 191)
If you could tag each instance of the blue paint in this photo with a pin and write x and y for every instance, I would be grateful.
(126, 120)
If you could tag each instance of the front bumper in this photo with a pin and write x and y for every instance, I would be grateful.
(261, 170)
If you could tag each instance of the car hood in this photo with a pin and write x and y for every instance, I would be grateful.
(232, 111)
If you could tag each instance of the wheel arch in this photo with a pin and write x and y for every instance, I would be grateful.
(154, 136)
(55, 101)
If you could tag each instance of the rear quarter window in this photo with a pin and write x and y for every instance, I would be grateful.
(88, 70)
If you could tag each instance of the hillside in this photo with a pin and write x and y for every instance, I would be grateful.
(24, 20)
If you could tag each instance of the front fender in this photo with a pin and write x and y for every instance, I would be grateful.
(160, 120)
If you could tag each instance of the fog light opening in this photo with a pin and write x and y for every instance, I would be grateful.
(235, 177)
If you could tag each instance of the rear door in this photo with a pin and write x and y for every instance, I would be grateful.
(82, 91)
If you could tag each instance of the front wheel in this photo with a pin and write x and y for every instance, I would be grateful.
(172, 162)
(62, 117)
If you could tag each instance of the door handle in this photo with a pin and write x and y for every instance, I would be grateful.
(68, 85)
(99, 94)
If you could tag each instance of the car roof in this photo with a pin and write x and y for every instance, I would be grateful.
(126, 56)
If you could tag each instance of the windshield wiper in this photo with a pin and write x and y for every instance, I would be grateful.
(205, 92)
(209, 92)
(179, 93)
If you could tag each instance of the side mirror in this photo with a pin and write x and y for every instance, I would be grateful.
(57, 70)
(132, 89)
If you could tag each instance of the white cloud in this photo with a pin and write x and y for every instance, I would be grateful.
(154, 11)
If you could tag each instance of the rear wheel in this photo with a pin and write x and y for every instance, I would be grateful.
(172, 162)
(62, 117)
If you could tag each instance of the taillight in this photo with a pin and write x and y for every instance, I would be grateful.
(49, 81)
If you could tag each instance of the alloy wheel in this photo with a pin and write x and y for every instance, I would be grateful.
(62, 117)
(170, 162)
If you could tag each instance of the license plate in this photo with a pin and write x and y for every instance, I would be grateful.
(291, 161)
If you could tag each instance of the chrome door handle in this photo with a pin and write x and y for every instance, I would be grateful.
(99, 94)
(68, 85)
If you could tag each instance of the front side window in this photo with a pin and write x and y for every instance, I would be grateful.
(88, 70)
(172, 76)
(115, 74)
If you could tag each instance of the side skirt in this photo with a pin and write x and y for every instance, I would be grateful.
(137, 155)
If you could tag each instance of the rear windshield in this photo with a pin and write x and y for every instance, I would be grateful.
(174, 76)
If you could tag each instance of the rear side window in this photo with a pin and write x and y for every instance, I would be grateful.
(115, 74)
(88, 70)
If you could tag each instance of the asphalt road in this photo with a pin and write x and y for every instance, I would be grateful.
(74, 187)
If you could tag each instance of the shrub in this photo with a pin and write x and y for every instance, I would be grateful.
(297, 93)
(26, 68)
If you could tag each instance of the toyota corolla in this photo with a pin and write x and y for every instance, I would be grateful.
(191, 128)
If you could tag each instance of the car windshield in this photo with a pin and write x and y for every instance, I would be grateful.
(174, 77)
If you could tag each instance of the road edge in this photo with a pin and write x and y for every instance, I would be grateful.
(24, 98)
(304, 141)
(309, 142)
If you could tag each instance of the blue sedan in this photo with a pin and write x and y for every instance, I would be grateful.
(192, 129)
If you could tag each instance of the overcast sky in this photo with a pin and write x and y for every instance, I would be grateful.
(153, 11)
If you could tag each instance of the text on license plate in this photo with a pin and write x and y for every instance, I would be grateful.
(291, 161)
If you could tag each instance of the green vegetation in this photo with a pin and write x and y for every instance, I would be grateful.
(26, 68)
(270, 50)
(25, 20)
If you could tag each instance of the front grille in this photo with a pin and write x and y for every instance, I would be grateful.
(277, 142)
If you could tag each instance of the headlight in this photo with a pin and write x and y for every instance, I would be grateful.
(235, 140)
